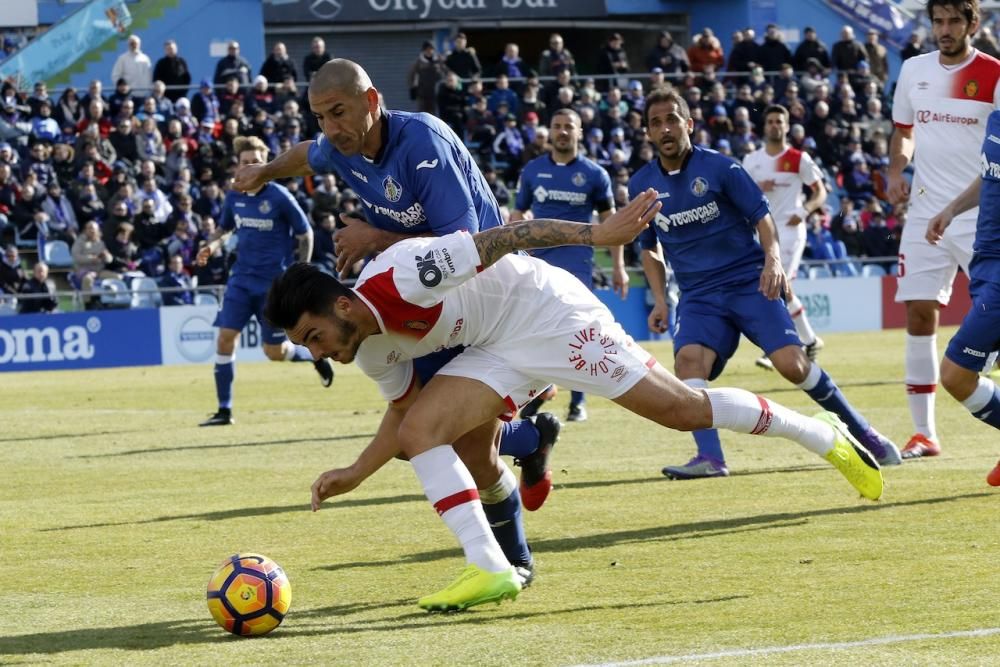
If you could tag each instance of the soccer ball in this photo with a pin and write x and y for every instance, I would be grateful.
(249, 595)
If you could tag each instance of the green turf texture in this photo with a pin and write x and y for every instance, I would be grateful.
(115, 508)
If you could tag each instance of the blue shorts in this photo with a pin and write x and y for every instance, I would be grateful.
(427, 367)
(979, 334)
(716, 319)
(239, 304)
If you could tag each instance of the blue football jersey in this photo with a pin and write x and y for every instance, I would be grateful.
(570, 191)
(423, 181)
(265, 225)
(986, 248)
(708, 221)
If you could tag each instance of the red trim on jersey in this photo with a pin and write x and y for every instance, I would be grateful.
(456, 499)
(921, 388)
(398, 315)
(798, 312)
(789, 161)
(905, 126)
(977, 81)
(764, 421)
(650, 362)
(512, 409)
(409, 388)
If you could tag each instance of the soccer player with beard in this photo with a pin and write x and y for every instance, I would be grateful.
(730, 282)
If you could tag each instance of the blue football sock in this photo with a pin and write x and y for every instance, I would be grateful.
(502, 505)
(576, 398)
(518, 438)
(707, 440)
(822, 389)
(225, 373)
(984, 403)
(301, 353)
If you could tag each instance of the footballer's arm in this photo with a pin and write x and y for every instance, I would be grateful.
(293, 162)
(901, 148)
(218, 239)
(772, 277)
(305, 246)
(817, 195)
(656, 277)
(968, 199)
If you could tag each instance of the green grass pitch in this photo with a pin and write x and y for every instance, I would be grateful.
(115, 508)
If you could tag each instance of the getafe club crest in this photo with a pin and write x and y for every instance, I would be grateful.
(579, 179)
(265, 207)
(699, 186)
(393, 190)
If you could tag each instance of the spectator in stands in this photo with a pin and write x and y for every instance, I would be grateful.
(512, 65)
(232, 66)
(95, 91)
(181, 243)
(69, 109)
(451, 103)
(12, 274)
(149, 191)
(914, 47)
(613, 61)
(135, 67)
(62, 223)
(209, 203)
(177, 277)
(773, 53)
(463, 60)
(37, 284)
(811, 47)
(848, 52)
(498, 188)
(96, 115)
(184, 213)
(39, 163)
(877, 57)
(551, 92)
(706, 50)
(43, 126)
(423, 77)
(556, 58)
(39, 94)
(125, 142)
(503, 94)
(986, 42)
(278, 65)
(259, 97)
(315, 59)
(205, 103)
(852, 237)
(90, 259)
(187, 120)
(669, 57)
(173, 71)
(508, 147)
(878, 239)
(539, 146)
(745, 52)
(324, 253)
(819, 240)
(124, 252)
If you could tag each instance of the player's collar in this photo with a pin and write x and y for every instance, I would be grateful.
(384, 119)
(566, 164)
(684, 164)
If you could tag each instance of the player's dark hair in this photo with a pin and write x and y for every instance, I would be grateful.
(660, 95)
(776, 108)
(967, 8)
(568, 112)
(303, 288)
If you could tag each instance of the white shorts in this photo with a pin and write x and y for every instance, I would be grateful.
(927, 271)
(791, 244)
(597, 358)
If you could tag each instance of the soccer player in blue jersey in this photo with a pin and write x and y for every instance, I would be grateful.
(565, 185)
(730, 282)
(269, 226)
(979, 335)
(414, 177)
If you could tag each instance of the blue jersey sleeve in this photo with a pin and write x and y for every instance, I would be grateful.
(602, 196)
(319, 155)
(296, 218)
(441, 187)
(228, 222)
(524, 187)
(744, 193)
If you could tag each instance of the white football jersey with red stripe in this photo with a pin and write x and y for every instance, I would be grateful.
(781, 177)
(947, 107)
(421, 293)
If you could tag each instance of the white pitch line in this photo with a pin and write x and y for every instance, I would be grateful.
(746, 652)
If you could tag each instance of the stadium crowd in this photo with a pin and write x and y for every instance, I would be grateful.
(133, 179)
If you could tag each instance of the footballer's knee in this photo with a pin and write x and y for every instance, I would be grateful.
(691, 361)
(274, 352)
(958, 381)
(226, 343)
(921, 317)
(792, 363)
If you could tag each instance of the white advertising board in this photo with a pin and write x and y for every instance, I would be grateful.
(842, 304)
(188, 337)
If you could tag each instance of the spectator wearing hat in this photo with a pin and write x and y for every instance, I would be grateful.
(278, 65)
(183, 115)
(315, 59)
(173, 71)
(134, 67)
(260, 96)
(38, 284)
(667, 56)
(232, 66)
(636, 98)
(43, 126)
(423, 77)
(613, 61)
(877, 57)
(529, 126)
(463, 60)
(745, 53)
(811, 47)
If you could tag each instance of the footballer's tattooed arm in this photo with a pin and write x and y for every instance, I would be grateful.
(619, 228)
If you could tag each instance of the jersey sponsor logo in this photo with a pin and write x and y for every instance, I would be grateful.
(393, 190)
(592, 353)
(265, 207)
(543, 195)
(411, 217)
(579, 179)
(663, 195)
(971, 88)
(993, 138)
(262, 224)
(699, 187)
(457, 329)
(240, 204)
(988, 168)
(926, 116)
(702, 214)
(544, 175)
(427, 164)
(431, 267)
(923, 85)
(358, 175)
(975, 353)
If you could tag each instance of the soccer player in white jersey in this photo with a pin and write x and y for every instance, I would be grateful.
(942, 101)
(524, 324)
(781, 170)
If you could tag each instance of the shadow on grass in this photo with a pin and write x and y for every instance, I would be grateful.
(262, 443)
(72, 436)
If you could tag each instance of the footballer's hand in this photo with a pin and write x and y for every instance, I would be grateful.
(334, 483)
(658, 320)
(899, 189)
(203, 254)
(624, 225)
(249, 177)
(619, 281)
(937, 225)
(773, 282)
(354, 242)
(794, 220)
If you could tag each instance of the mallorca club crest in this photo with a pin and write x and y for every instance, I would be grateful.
(971, 88)
(393, 190)
(699, 187)
(579, 179)
(265, 207)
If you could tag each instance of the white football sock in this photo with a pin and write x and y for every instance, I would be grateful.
(744, 412)
(501, 489)
(801, 320)
(449, 486)
(982, 394)
(921, 382)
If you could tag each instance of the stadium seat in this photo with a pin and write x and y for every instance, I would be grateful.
(114, 293)
(8, 306)
(145, 293)
(58, 255)
(205, 300)
(869, 270)
(819, 272)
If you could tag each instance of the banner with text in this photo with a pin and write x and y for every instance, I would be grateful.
(361, 11)
(187, 336)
